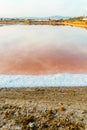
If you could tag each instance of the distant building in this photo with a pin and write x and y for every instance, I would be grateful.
(85, 18)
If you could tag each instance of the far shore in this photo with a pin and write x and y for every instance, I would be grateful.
(68, 22)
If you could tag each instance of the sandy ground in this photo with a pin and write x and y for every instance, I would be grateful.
(43, 108)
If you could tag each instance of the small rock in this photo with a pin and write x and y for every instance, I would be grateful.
(62, 108)
(83, 111)
(60, 103)
(31, 125)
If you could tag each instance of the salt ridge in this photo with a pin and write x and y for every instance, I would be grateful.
(43, 80)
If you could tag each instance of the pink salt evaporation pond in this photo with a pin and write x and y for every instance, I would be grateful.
(42, 50)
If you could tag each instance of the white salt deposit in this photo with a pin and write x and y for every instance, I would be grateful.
(43, 80)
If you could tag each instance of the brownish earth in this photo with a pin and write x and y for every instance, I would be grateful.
(43, 108)
(72, 22)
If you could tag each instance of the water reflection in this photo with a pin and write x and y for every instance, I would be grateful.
(42, 49)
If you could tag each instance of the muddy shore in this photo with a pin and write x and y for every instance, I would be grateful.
(62, 108)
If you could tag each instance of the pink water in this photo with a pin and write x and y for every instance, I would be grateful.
(42, 49)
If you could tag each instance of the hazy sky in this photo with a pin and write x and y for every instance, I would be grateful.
(16, 8)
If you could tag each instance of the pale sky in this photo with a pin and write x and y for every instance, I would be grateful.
(38, 8)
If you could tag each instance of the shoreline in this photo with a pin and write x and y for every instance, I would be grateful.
(43, 80)
(73, 23)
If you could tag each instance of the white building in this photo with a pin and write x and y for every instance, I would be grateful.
(85, 18)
